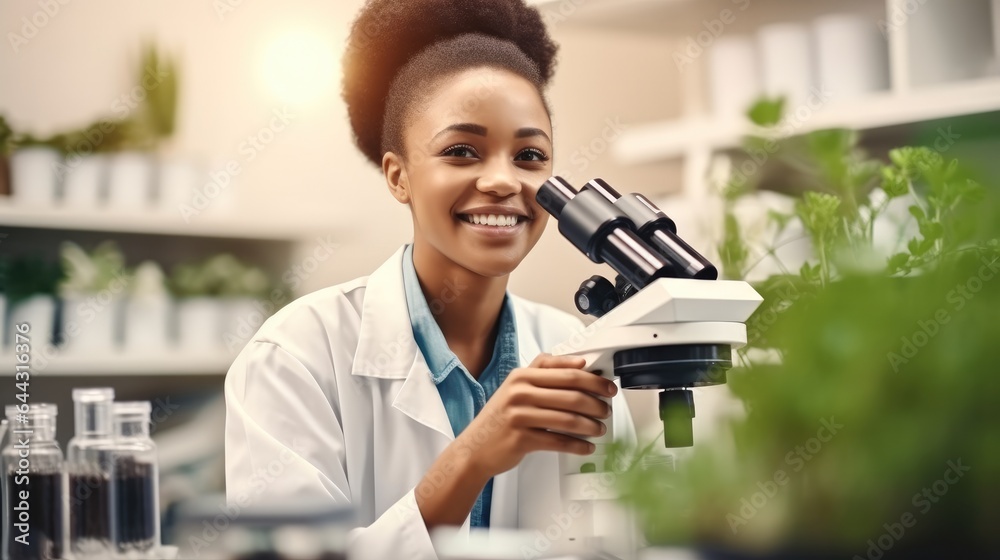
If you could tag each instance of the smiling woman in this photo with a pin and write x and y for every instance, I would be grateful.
(415, 395)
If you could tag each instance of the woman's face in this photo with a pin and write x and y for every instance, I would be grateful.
(476, 154)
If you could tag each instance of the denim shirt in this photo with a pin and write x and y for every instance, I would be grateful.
(463, 396)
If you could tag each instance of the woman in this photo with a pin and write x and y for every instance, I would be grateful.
(419, 395)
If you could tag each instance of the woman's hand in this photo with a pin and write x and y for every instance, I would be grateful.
(538, 408)
(534, 409)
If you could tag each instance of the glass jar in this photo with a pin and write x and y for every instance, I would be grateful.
(34, 485)
(88, 466)
(135, 479)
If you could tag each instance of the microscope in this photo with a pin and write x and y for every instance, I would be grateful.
(666, 324)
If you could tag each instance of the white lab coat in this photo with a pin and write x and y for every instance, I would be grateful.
(332, 398)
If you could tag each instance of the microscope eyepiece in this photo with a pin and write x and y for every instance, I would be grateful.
(657, 229)
(601, 231)
(554, 194)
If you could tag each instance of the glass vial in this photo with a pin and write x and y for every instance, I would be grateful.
(88, 465)
(34, 487)
(135, 480)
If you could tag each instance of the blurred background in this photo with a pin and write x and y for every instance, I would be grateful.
(173, 173)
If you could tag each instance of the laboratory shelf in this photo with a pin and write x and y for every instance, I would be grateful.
(122, 364)
(672, 139)
(152, 222)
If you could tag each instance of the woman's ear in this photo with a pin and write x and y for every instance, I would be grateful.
(395, 177)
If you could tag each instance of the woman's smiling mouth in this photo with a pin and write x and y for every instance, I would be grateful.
(497, 220)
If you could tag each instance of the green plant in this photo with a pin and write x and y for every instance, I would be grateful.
(30, 276)
(222, 275)
(6, 138)
(144, 127)
(91, 273)
(880, 375)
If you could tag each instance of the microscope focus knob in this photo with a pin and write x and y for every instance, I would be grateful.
(596, 296)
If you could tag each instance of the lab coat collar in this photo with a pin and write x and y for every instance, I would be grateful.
(386, 348)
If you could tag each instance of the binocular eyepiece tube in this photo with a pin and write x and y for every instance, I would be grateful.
(601, 231)
(628, 232)
(654, 227)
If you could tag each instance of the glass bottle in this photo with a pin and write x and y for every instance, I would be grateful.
(88, 465)
(135, 479)
(34, 486)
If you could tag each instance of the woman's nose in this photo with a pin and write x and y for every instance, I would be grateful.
(499, 179)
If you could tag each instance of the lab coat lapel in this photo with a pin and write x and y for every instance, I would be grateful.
(387, 350)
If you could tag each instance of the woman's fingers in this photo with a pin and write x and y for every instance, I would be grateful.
(561, 443)
(569, 378)
(564, 399)
(549, 361)
(557, 420)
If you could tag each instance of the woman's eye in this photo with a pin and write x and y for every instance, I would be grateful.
(462, 151)
(531, 154)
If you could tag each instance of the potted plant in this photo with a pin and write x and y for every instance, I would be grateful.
(245, 291)
(85, 168)
(34, 162)
(198, 311)
(92, 293)
(871, 426)
(30, 289)
(220, 303)
(130, 173)
(147, 311)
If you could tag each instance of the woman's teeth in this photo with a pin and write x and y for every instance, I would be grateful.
(492, 220)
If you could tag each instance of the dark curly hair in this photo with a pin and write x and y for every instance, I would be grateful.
(399, 47)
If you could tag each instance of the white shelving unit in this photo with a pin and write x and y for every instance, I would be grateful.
(159, 236)
(672, 139)
(942, 54)
(157, 223)
(126, 365)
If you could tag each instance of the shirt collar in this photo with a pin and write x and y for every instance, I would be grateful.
(429, 338)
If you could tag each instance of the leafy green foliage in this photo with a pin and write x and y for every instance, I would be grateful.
(90, 273)
(28, 276)
(898, 353)
(220, 276)
(143, 128)
(766, 111)
(6, 137)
